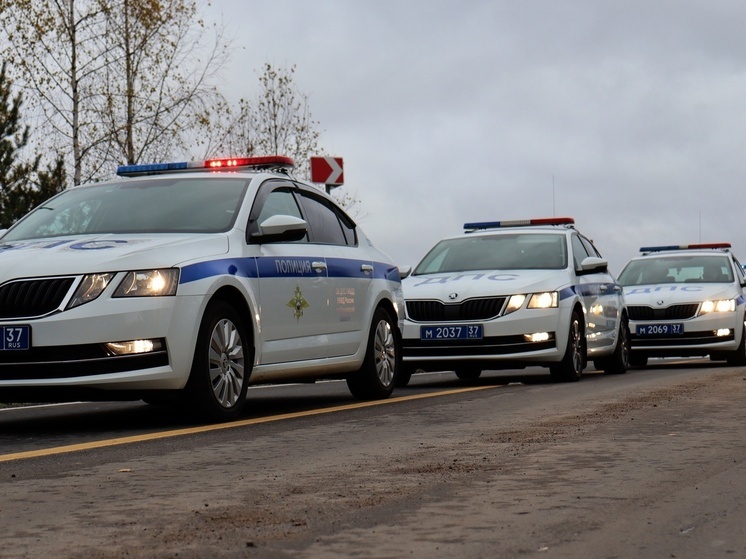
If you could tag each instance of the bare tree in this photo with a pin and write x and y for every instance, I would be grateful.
(57, 47)
(155, 84)
(279, 122)
(116, 80)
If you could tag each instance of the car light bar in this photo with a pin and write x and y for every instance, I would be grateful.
(227, 164)
(518, 223)
(684, 247)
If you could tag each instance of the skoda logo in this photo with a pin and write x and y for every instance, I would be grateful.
(659, 303)
(452, 296)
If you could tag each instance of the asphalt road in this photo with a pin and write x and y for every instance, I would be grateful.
(647, 464)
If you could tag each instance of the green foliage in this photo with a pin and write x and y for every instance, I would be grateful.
(22, 185)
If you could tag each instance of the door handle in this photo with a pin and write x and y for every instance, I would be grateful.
(318, 266)
(367, 268)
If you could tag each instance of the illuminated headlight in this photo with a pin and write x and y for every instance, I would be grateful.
(547, 300)
(724, 305)
(134, 346)
(149, 283)
(91, 287)
(514, 303)
(722, 332)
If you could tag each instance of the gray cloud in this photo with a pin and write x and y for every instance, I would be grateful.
(626, 115)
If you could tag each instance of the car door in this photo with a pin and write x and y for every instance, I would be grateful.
(601, 296)
(293, 291)
(349, 273)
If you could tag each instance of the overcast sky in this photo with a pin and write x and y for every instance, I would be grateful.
(625, 115)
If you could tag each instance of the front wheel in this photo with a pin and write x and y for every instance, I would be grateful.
(404, 375)
(376, 378)
(618, 362)
(738, 357)
(217, 385)
(573, 362)
(468, 373)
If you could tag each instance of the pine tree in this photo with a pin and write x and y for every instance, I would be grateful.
(22, 185)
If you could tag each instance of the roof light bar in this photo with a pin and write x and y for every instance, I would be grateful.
(228, 164)
(685, 247)
(518, 223)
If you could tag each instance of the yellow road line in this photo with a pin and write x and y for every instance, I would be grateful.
(218, 426)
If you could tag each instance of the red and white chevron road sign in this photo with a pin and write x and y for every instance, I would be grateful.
(327, 170)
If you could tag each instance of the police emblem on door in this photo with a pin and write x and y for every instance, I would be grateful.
(298, 303)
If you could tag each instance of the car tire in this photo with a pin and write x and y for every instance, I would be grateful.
(216, 390)
(404, 375)
(637, 360)
(468, 373)
(618, 362)
(570, 369)
(738, 357)
(376, 378)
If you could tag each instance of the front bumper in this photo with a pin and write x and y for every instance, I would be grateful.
(503, 344)
(701, 336)
(68, 348)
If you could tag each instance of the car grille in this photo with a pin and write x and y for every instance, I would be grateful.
(674, 312)
(31, 298)
(473, 309)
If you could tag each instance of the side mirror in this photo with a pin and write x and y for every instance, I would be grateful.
(280, 229)
(404, 271)
(593, 265)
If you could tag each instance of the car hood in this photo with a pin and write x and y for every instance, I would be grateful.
(104, 253)
(665, 294)
(459, 286)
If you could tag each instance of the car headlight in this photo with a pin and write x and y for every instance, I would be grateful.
(91, 287)
(514, 303)
(548, 300)
(149, 283)
(723, 305)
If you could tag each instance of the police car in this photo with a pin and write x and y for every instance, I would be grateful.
(511, 294)
(685, 300)
(190, 281)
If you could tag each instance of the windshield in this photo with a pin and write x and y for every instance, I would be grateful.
(196, 205)
(515, 251)
(677, 269)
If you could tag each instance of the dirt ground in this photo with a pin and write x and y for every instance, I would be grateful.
(549, 471)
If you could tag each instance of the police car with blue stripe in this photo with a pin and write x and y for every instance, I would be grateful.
(685, 301)
(187, 282)
(512, 294)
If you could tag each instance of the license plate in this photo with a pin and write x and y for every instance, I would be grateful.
(15, 338)
(660, 329)
(452, 332)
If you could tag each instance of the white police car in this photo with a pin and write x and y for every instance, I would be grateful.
(685, 301)
(512, 294)
(194, 280)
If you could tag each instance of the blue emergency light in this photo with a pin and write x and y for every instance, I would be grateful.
(225, 164)
(685, 247)
(518, 223)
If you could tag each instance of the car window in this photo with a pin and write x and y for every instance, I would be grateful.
(324, 222)
(590, 248)
(516, 251)
(677, 269)
(158, 206)
(579, 251)
(280, 201)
